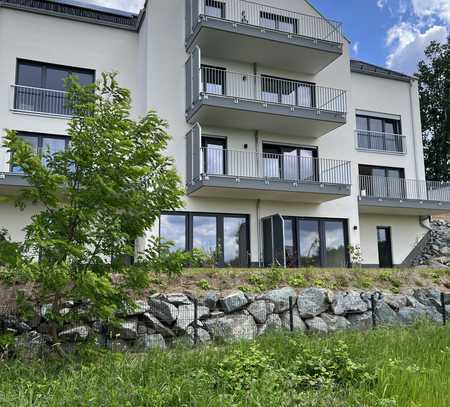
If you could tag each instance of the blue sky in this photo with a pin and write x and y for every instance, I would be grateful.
(391, 33)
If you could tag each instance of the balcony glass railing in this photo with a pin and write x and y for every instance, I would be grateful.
(400, 188)
(381, 142)
(267, 166)
(270, 18)
(267, 89)
(39, 100)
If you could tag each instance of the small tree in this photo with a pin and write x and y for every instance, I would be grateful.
(97, 197)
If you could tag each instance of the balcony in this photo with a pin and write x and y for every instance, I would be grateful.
(47, 102)
(385, 143)
(222, 98)
(269, 36)
(12, 183)
(403, 196)
(223, 173)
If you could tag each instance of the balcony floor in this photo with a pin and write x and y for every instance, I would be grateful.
(273, 190)
(229, 112)
(402, 207)
(11, 184)
(266, 47)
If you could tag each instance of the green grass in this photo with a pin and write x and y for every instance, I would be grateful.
(385, 368)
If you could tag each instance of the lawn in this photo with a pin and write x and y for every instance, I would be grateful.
(383, 368)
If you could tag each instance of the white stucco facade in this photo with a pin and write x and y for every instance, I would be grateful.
(151, 63)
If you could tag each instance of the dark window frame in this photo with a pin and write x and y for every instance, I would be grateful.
(220, 140)
(278, 18)
(397, 124)
(322, 236)
(386, 171)
(222, 81)
(72, 70)
(40, 137)
(265, 83)
(219, 216)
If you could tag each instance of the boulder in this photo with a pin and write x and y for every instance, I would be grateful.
(78, 333)
(409, 315)
(335, 322)
(396, 301)
(349, 302)
(385, 315)
(361, 321)
(150, 341)
(260, 309)
(232, 328)
(118, 345)
(176, 299)
(430, 297)
(298, 324)
(312, 302)
(211, 300)
(280, 298)
(202, 335)
(316, 325)
(164, 311)
(32, 345)
(233, 302)
(128, 329)
(154, 323)
(186, 315)
(13, 323)
(273, 322)
(140, 308)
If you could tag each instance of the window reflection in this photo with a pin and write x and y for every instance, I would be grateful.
(335, 244)
(309, 239)
(235, 242)
(290, 243)
(173, 229)
(204, 233)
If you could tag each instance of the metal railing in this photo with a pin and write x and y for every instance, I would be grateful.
(272, 18)
(267, 89)
(39, 100)
(290, 168)
(400, 188)
(382, 142)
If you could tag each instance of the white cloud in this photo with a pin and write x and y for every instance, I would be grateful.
(434, 9)
(133, 6)
(356, 48)
(381, 3)
(407, 44)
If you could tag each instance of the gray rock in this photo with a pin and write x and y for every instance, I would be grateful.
(78, 333)
(361, 321)
(280, 298)
(164, 311)
(233, 302)
(335, 322)
(385, 315)
(430, 297)
(128, 329)
(13, 323)
(155, 324)
(273, 322)
(140, 308)
(211, 300)
(176, 299)
(32, 344)
(409, 315)
(298, 324)
(118, 345)
(259, 310)
(150, 341)
(316, 325)
(232, 328)
(186, 315)
(216, 314)
(396, 301)
(312, 302)
(348, 303)
(202, 335)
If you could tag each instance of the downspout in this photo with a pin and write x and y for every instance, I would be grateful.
(411, 104)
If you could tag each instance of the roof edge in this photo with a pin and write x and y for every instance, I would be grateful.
(366, 68)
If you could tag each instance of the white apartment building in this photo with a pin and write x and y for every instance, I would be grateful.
(290, 151)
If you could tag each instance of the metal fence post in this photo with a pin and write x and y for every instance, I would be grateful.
(373, 306)
(195, 321)
(444, 310)
(291, 315)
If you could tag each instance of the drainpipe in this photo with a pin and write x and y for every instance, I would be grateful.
(411, 103)
(423, 219)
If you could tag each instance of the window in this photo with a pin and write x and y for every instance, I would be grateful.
(382, 182)
(287, 92)
(290, 163)
(39, 86)
(214, 8)
(224, 235)
(213, 80)
(379, 134)
(278, 22)
(309, 239)
(214, 155)
(335, 244)
(44, 144)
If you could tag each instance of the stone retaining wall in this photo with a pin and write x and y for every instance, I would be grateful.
(165, 319)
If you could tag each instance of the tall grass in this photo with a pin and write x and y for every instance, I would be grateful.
(408, 367)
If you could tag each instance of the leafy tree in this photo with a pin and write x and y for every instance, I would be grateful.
(97, 197)
(434, 90)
